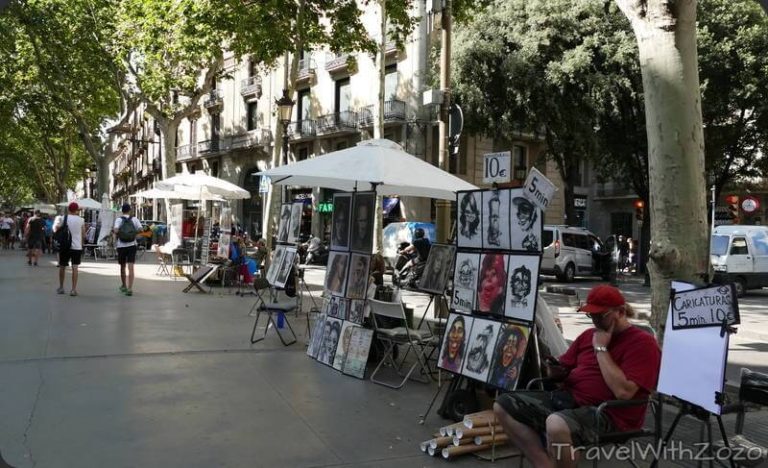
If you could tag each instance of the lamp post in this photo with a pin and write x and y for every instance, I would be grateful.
(284, 109)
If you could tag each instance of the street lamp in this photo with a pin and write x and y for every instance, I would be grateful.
(284, 109)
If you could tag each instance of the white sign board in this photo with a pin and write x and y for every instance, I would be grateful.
(264, 184)
(538, 189)
(497, 167)
(706, 307)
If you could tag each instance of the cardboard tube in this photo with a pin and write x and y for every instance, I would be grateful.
(480, 421)
(491, 439)
(485, 430)
(440, 442)
(424, 446)
(452, 452)
(479, 414)
(450, 429)
(432, 451)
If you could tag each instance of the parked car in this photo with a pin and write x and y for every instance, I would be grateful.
(573, 251)
(739, 255)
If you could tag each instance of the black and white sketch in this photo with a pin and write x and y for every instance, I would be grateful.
(469, 230)
(480, 346)
(356, 311)
(285, 223)
(295, 226)
(276, 264)
(337, 307)
(336, 274)
(357, 283)
(342, 211)
(286, 265)
(343, 347)
(438, 269)
(465, 281)
(357, 354)
(317, 336)
(496, 219)
(522, 286)
(363, 215)
(331, 334)
(525, 224)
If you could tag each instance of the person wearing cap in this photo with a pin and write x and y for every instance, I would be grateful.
(126, 249)
(614, 360)
(74, 253)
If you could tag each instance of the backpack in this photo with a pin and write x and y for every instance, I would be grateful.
(62, 236)
(127, 231)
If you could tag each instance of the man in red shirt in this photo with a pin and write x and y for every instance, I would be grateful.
(614, 360)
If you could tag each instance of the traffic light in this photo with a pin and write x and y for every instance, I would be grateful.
(733, 207)
(639, 206)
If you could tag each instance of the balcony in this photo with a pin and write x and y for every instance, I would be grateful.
(207, 147)
(390, 49)
(339, 122)
(302, 130)
(214, 102)
(340, 63)
(306, 71)
(250, 139)
(394, 112)
(185, 153)
(250, 88)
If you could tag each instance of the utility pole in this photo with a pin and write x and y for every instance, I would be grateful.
(444, 206)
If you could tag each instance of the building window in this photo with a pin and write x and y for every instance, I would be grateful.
(390, 82)
(213, 168)
(343, 97)
(252, 122)
(519, 162)
(302, 154)
(215, 126)
(304, 104)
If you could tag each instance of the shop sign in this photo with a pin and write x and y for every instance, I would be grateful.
(325, 207)
(497, 167)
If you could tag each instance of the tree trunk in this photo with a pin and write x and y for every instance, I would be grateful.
(666, 36)
(168, 132)
(378, 127)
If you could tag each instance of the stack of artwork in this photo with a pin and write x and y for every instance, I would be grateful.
(495, 280)
(339, 339)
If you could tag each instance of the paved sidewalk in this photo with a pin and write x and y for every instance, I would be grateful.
(166, 379)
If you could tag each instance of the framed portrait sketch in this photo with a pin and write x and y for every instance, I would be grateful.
(357, 283)
(336, 274)
(469, 231)
(525, 223)
(496, 219)
(342, 210)
(363, 213)
(455, 343)
(286, 266)
(480, 346)
(285, 223)
(465, 281)
(317, 336)
(329, 341)
(508, 356)
(356, 311)
(336, 307)
(491, 284)
(522, 286)
(343, 347)
(357, 354)
(276, 264)
(295, 225)
(438, 268)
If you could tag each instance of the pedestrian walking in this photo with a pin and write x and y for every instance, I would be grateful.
(34, 235)
(126, 228)
(6, 226)
(48, 242)
(70, 232)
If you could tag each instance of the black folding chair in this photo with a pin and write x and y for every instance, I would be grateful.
(197, 278)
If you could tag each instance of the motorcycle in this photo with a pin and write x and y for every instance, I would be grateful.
(408, 268)
(313, 255)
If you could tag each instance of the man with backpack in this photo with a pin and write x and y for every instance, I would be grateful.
(69, 232)
(126, 229)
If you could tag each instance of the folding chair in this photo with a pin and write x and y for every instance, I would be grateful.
(197, 278)
(162, 264)
(279, 305)
(416, 340)
(260, 290)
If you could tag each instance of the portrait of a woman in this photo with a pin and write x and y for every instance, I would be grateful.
(469, 220)
(492, 284)
(508, 357)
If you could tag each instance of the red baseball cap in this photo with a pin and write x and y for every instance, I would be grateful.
(602, 298)
(73, 206)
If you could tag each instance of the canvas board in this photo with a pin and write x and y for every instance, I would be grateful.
(329, 341)
(438, 268)
(317, 336)
(469, 233)
(357, 355)
(342, 213)
(466, 268)
(356, 311)
(495, 211)
(276, 264)
(336, 273)
(343, 346)
(522, 285)
(287, 264)
(363, 215)
(491, 284)
(508, 356)
(295, 225)
(480, 347)
(337, 307)
(357, 283)
(285, 223)
(454, 344)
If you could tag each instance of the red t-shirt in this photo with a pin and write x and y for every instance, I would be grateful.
(638, 355)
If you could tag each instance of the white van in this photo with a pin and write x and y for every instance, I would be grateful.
(739, 255)
(572, 251)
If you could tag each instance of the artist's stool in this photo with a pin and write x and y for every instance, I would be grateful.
(271, 310)
(197, 278)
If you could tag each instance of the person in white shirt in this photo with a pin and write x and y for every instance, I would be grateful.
(126, 248)
(74, 253)
(6, 226)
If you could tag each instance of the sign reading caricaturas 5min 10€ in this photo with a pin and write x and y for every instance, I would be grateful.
(750, 204)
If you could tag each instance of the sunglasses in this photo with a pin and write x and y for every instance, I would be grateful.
(599, 316)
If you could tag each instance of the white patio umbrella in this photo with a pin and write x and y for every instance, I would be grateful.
(373, 164)
(205, 185)
(179, 193)
(84, 203)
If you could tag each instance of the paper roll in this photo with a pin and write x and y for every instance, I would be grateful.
(480, 421)
(440, 442)
(491, 439)
(424, 446)
(432, 451)
(452, 452)
(450, 429)
(459, 441)
(464, 432)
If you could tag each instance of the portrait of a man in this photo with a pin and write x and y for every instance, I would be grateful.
(454, 343)
(357, 283)
(331, 334)
(482, 340)
(285, 223)
(508, 356)
(336, 274)
(496, 219)
(438, 268)
(362, 222)
(525, 225)
(465, 281)
(342, 208)
(356, 311)
(522, 286)
(469, 235)
(317, 336)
